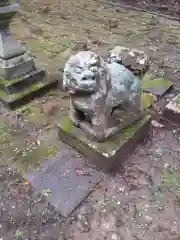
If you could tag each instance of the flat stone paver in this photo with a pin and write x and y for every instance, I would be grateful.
(65, 180)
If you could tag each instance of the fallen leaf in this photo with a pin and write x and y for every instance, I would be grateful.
(156, 124)
(26, 182)
(176, 71)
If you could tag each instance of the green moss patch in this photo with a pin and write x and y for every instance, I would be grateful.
(146, 100)
(156, 83)
(34, 87)
(12, 81)
(169, 187)
(24, 155)
(111, 145)
(33, 156)
(5, 136)
(67, 125)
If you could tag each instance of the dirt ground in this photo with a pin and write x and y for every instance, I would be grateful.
(171, 8)
(141, 200)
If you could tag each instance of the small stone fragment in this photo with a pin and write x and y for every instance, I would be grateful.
(115, 237)
(145, 220)
(156, 124)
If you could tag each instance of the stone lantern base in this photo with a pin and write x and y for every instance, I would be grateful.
(20, 80)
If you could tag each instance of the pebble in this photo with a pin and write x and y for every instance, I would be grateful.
(148, 220)
(143, 220)
(115, 236)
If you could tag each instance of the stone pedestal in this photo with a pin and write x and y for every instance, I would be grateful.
(107, 155)
(20, 80)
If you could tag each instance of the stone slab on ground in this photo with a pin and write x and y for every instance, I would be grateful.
(66, 180)
(158, 86)
(172, 110)
(106, 155)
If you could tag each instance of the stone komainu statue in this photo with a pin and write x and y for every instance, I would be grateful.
(105, 97)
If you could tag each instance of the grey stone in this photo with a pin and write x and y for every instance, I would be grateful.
(105, 97)
(134, 59)
(107, 155)
(16, 67)
(16, 85)
(158, 86)
(6, 7)
(68, 177)
(9, 47)
(18, 73)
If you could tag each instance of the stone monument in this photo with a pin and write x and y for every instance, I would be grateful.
(19, 77)
(105, 97)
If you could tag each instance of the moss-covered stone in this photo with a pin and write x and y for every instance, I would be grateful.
(9, 82)
(11, 97)
(107, 151)
(67, 125)
(17, 99)
(157, 86)
(49, 47)
(147, 100)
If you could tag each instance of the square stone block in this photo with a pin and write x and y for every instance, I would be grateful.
(16, 67)
(172, 110)
(106, 155)
(60, 175)
(158, 86)
(17, 85)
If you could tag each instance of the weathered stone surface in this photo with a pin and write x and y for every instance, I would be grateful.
(17, 66)
(134, 59)
(105, 155)
(18, 84)
(65, 180)
(172, 110)
(157, 86)
(20, 81)
(101, 90)
(22, 97)
(9, 47)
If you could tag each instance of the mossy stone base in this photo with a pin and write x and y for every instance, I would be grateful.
(107, 155)
(172, 110)
(24, 96)
(18, 84)
(158, 86)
